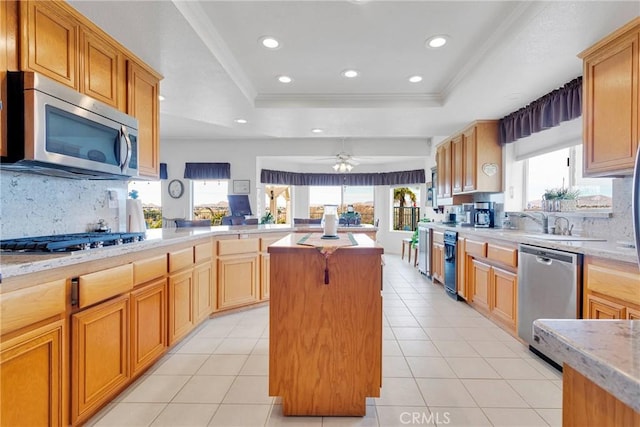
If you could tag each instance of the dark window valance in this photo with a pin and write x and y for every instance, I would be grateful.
(383, 178)
(163, 171)
(207, 170)
(561, 105)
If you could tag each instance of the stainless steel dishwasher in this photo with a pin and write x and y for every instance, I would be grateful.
(549, 287)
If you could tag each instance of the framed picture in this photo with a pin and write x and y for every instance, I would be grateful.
(241, 186)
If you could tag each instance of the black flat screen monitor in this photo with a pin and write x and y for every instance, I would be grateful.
(239, 205)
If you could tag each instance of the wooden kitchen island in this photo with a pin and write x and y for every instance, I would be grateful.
(325, 339)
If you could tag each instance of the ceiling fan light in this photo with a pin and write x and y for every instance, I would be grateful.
(336, 167)
(349, 167)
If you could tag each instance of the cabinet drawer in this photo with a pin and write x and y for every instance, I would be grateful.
(438, 237)
(506, 256)
(180, 259)
(617, 283)
(266, 241)
(241, 246)
(26, 306)
(476, 248)
(101, 285)
(203, 251)
(149, 269)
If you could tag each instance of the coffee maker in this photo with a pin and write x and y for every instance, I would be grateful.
(484, 214)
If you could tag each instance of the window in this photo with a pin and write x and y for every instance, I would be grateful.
(150, 193)
(406, 210)
(562, 169)
(277, 201)
(361, 197)
(210, 200)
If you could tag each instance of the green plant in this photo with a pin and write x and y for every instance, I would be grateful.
(267, 218)
(560, 194)
(414, 238)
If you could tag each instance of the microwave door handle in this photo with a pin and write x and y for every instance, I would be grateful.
(124, 135)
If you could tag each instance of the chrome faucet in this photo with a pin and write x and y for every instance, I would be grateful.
(543, 220)
(566, 231)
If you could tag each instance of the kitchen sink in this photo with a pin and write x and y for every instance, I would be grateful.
(561, 238)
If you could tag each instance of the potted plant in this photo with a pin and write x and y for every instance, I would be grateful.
(267, 218)
(559, 199)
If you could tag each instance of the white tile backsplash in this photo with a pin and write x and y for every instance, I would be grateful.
(35, 205)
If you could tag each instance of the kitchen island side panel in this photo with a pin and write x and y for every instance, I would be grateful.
(325, 350)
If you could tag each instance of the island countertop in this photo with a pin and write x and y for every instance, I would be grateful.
(607, 352)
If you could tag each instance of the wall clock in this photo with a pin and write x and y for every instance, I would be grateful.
(176, 188)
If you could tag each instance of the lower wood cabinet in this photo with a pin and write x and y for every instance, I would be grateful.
(611, 289)
(204, 291)
(438, 262)
(505, 296)
(238, 272)
(148, 324)
(181, 319)
(480, 285)
(33, 376)
(265, 285)
(99, 355)
(493, 291)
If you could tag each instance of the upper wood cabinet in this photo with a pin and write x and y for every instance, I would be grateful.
(470, 161)
(8, 61)
(50, 41)
(99, 67)
(142, 103)
(611, 88)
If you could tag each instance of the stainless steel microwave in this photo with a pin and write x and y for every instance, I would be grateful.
(55, 130)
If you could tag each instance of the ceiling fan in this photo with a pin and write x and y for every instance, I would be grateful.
(343, 161)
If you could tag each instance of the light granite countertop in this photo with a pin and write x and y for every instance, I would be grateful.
(600, 248)
(606, 352)
(15, 264)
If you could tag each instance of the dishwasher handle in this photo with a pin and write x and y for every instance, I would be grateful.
(544, 260)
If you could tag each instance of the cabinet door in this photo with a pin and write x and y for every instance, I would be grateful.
(633, 314)
(600, 308)
(51, 41)
(142, 103)
(504, 287)
(438, 262)
(32, 378)
(99, 69)
(100, 355)
(237, 280)
(457, 164)
(265, 271)
(148, 324)
(611, 86)
(446, 167)
(181, 319)
(470, 171)
(204, 292)
(480, 285)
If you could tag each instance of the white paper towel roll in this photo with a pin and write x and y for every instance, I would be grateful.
(135, 216)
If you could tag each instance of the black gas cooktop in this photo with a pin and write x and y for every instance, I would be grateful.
(69, 242)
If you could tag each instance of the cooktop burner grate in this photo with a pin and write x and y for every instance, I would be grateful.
(69, 242)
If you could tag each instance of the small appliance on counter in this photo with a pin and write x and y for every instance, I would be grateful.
(484, 214)
(467, 215)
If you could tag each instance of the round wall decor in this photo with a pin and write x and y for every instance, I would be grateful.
(176, 188)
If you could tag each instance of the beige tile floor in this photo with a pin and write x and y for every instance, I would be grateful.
(443, 364)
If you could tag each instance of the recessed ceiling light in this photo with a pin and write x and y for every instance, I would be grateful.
(285, 79)
(415, 79)
(269, 42)
(436, 41)
(317, 130)
(350, 74)
(161, 98)
(241, 121)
